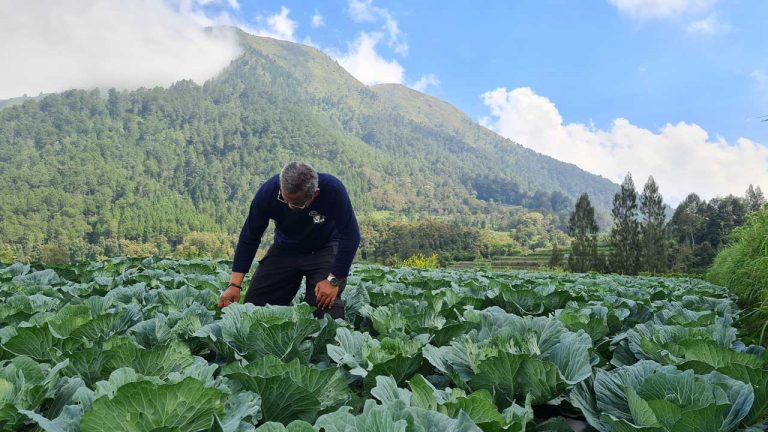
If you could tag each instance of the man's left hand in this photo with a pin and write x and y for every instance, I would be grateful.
(325, 294)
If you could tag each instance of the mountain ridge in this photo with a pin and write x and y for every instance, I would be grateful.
(88, 167)
(451, 116)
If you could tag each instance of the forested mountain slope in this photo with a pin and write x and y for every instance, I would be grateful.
(86, 165)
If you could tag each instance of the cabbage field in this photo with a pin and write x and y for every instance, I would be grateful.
(139, 345)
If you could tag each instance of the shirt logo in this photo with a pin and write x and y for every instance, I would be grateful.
(317, 218)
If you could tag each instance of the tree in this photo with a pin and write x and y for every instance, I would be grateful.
(625, 234)
(723, 215)
(198, 244)
(556, 259)
(531, 231)
(754, 199)
(680, 258)
(54, 254)
(688, 220)
(653, 229)
(703, 227)
(559, 201)
(583, 228)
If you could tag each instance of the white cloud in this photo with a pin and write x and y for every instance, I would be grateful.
(278, 26)
(654, 9)
(364, 63)
(317, 20)
(362, 10)
(426, 81)
(55, 45)
(708, 26)
(682, 157)
(194, 3)
(365, 11)
(760, 78)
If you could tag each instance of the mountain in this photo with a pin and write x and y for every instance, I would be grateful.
(4, 103)
(430, 125)
(90, 167)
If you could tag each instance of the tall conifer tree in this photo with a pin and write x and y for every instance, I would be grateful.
(583, 228)
(653, 229)
(625, 234)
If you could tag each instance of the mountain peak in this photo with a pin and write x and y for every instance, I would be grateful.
(370, 113)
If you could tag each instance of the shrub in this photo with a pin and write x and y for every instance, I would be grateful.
(421, 261)
(54, 254)
(205, 244)
(743, 268)
(6, 254)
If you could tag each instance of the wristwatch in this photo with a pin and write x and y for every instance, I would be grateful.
(333, 280)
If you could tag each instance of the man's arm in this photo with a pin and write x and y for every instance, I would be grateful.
(349, 234)
(250, 236)
(349, 240)
(248, 243)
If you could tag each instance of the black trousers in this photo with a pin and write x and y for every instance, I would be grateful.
(279, 274)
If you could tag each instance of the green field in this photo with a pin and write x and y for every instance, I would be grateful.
(139, 345)
(531, 261)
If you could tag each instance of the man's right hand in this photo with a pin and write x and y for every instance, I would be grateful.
(229, 296)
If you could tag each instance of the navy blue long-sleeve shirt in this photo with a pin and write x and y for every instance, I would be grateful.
(329, 219)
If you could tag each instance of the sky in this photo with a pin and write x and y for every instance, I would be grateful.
(669, 88)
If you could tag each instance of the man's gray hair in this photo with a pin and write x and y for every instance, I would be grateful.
(298, 177)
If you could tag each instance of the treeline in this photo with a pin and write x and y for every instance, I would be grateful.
(508, 191)
(642, 240)
(384, 240)
(194, 244)
(391, 241)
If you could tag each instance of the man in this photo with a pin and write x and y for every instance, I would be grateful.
(316, 236)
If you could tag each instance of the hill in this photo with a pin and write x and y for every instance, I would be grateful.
(89, 167)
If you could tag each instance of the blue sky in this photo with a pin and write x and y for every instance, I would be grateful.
(669, 88)
(596, 61)
(685, 80)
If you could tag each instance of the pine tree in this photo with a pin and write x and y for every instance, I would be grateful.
(583, 228)
(754, 199)
(653, 230)
(556, 259)
(625, 234)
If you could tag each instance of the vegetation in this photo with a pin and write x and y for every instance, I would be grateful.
(754, 199)
(701, 228)
(743, 268)
(386, 241)
(137, 344)
(421, 261)
(653, 235)
(82, 173)
(583, 229)
(127, 344)
(642, 241)
(625, 234)
(556, 259)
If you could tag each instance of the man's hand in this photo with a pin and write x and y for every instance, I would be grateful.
(325, 293)
(229, 296)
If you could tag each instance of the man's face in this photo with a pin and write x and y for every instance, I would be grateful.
(297, 201)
